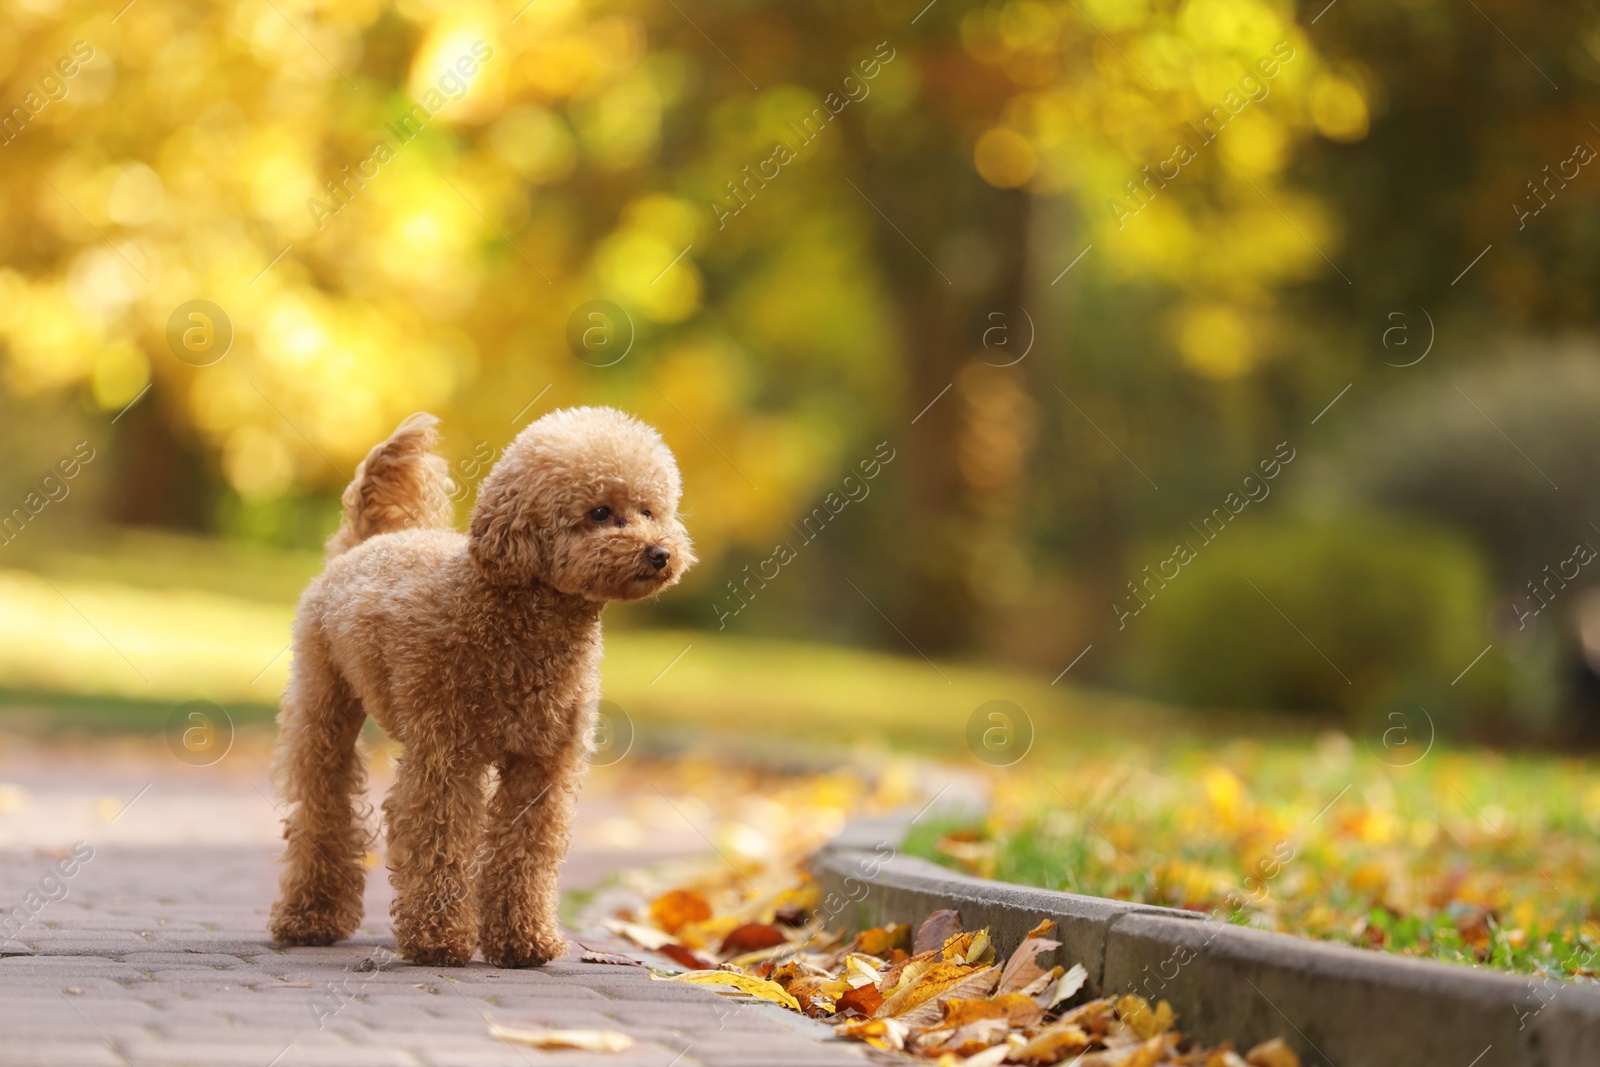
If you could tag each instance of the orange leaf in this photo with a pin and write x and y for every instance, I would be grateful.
(750, 937)
(677, 908)
(959, 1012)
(881, 940)
(680, 955)
(1020, 1010)
(864, 999)
(813, 993)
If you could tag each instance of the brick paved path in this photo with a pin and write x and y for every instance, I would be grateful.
(154, 950)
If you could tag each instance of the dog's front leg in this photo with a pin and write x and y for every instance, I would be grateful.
(434, 814)
(529, 829)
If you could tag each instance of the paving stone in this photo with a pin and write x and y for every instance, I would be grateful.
(166, 944)
(70, 1054)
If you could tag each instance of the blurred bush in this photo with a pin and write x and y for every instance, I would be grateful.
(1484, 451)
(1345, 615)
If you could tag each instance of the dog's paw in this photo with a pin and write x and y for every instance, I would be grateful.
(306, 927)
(519, 949)
(436, 955)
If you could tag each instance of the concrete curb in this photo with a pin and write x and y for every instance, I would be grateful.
(1337, 1005)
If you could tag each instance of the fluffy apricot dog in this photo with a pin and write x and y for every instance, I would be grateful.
(480, 654)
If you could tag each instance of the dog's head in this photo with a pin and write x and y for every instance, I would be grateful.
(585, 500)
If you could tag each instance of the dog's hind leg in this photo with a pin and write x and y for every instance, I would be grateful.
(321, 775)
(529, 829)
(434, 815)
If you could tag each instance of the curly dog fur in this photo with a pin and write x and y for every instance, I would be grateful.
(479, 653)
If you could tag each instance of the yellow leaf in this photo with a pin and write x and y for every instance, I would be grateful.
(744, 983)
(583, 1040)
(1050, 1045)
(1136, 1013)
(933, 981)
(970, 947)
(1272, 1053)
(879, 1033)
(1148, 1054)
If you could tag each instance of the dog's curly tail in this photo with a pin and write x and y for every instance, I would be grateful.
(401, 485)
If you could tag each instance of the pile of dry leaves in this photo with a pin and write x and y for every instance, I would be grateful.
(940, 993)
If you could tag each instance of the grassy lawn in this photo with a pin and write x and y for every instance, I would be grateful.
(1465, 856)
(142, 622)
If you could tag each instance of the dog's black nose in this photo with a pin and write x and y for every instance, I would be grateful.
(657, 556)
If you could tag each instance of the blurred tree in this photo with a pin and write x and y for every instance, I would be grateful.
(1203, 210)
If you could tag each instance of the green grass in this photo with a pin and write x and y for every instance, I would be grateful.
(1471, 857)
(108, 632)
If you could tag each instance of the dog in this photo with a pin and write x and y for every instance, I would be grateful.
(480, 654)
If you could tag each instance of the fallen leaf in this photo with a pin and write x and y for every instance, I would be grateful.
(744, 983)
(643, 936)
(1272, 1053)
(1023, 966)
(609, 957)
(863, 999)
(906, 970)
(973, 1038)
(926, 1010)
(904, 974)
(1148, 1054)
(706, 933)
(1051, 1045)
(918, 986)
(879, 1033)
(860, 969)
(1085, 1014)
(959, 1011)
(935, 930)
(1045, 982)
(970, 947)
(1067, 987)
(991, 1058)
(680, 955)
(676, 908)
(1147, 1023)
(816, 994)
(751, 937)
(583, 1040)
(880, 940)
(1020, 1010)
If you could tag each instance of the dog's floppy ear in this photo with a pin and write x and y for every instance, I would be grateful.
(504, 538)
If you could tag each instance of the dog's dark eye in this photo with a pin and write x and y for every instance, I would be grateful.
(600, 514)
(646, 514)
